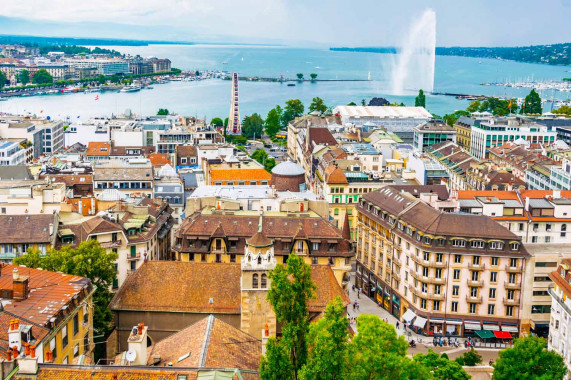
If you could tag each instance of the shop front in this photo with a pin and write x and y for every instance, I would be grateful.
(419, 324)
(453, 327)
(396, 306)
(470, 328)
(436, 326)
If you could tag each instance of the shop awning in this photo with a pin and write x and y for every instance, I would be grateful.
(490, 327)
(511, 329)
(452, 322)
(472, 326)
(408, 315)
(502, 334)
(484, 334)
(419, 322)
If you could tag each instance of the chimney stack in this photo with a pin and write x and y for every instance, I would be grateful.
(15, 336)
(20, 286)
(138, 343)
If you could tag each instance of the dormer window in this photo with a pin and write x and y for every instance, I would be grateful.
(458, 243)
(441, 241)
(496, 245)
(514, 246)
(259, 259)
(427, 240)
(477, 244)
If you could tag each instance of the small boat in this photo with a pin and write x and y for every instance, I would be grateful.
(291, 84)
(131, 88)
(148, 87)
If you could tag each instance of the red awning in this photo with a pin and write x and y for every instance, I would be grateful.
(502, 334)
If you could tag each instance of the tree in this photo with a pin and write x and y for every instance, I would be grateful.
(563, 110)
(420, 100)
(253, 126)
(273, 120)
(89, 260)
(289, 294)
(470, 358)
(317, 105)
(43, 77)
(451, 119)
(163, 112)
(363, 102)
(2, 79)
(293, 108)
(328, 345)
(299, 76)
(275, 364)
(529, 359)
(24, 76)
(474, 106)
(441, 367)
(262, 157)
(352, 104)
(376, 352)
(217, 122)
(313, 76)
(532, 103)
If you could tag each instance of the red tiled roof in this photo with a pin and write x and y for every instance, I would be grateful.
(97, 148)
(159, 159)
(235, 174)
(335, 176)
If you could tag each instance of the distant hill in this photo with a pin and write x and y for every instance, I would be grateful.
(42, 41)
(555, 54)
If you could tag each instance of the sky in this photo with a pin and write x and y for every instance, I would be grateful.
(324, 22)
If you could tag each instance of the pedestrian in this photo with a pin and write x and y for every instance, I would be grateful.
(358, 305)
(358, 295)
(398, 325)
(354, 306)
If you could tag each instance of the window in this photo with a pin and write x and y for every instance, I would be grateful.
(472, 308)
(441, 241)
(511, 294)
(512, 277)
(232, 257)
(426, 256)
(438, 273)
(427, 240)
(491, 309)
(75, 324)
(64, 338)
(493, 276)
(425, 271)
(439, 257)
(436, 305)
(454, 307)
(458, 259)
(540, 309)
(475, 275)
(455, 290)
(477, 244)
(541, 279)
(53, 348)
(422, 303)
(255, 281)
(473, 292)
(492, 293)
(509, 311)
(458, 243)
(539, 293)
(436, 289)
(496, 245)
(495, 261)
(314, 261)
(476, 260)
(513, 263)
(456, 274)
(514, 246)
(264, 281)
(424, 287)
(545, 264)
(534, 239)
(315, 246)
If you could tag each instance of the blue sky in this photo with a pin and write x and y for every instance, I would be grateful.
(331, 22)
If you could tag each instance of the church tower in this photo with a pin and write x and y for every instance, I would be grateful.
(234, 126)
(258, 260)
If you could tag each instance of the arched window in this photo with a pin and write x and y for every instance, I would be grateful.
(264, 281)
(255, 281)
(259, 259)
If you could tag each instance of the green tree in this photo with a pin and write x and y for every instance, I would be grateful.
(89, 260)
(328, 345)
(262, 157)
(474, 106)
(217, 122)
(273, 120)
(43, 77)
(376, 352)
(363, 102)
(313, 76)
(289, 294)
(293, 108)
(299, 76)
(441, 367)
(253, 126)
(420, 100)
(532, 103)
(469, 358)
(352, 104)
(163, 112)
(24, 76)
(529, 359)
(451, 119)
(275, 364)
(2, 79)
(563, 110)
(317, 105)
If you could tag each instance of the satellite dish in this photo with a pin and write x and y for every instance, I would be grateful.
(131, 355)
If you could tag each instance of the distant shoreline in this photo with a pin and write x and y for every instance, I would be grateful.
(555, 54)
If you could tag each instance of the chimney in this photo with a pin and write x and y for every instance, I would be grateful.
(265, 337)
(138, 343)
(28, 365)
(20, 286)
(15, 336)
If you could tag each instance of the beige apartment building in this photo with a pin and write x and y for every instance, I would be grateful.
(442, 273)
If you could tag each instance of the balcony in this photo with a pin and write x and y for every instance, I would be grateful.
(131, 257)
(434, 296)
(437, 264)
(512, 286)
(437, 281)
(473, 299)
(110, 244)
(511, 269)
(480, 266)
(511, 302)
(477, 283)
(420, 260)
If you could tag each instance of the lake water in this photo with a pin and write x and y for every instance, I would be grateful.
(211, 98)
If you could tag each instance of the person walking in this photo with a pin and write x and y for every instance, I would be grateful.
(398, 325)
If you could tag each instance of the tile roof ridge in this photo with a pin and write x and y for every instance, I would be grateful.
(206, 343)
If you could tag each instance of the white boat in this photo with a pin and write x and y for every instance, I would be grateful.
(131, 88)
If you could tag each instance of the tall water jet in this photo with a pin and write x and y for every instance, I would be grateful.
(414, 66)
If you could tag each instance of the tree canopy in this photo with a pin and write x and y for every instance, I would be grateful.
(262, 157)
(24, 76)
(163, 112)
(2, 79)
(313, 76)
(217, 122)
(272, 122)
(563, 110)
(293, 108)
(469, 358)
(42, 77)
(318, 105)
(420, 100)
(529, 359)
(299, 76)
(532, 103)
(253, 126)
